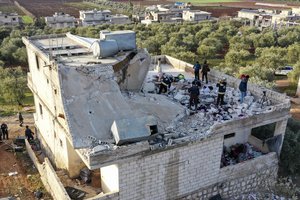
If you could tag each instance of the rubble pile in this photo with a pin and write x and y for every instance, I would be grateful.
(197, 124)
(238, 153)
(192, 124)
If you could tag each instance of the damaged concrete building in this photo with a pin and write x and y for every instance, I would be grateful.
(96, 107)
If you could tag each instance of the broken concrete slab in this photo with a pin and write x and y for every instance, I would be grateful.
(132, 129)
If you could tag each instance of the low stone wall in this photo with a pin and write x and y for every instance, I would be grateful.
(48, 176)
(253, 175)
(53, 184)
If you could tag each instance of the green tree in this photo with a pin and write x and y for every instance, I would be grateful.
(293, 53)
(13, 85)
(236, 58)
(294, 75)
(289, 157)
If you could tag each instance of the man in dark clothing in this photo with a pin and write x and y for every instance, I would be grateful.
(4, 130)
(243, 87)
(221, 91)
(197, 68)
(1, 134)
(205, 69)
(28, 133)
(21, 119)
(165, 84)
(194, 95)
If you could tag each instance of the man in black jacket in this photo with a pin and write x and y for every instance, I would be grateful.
(194, 95)
(221, 91)
(4, 129)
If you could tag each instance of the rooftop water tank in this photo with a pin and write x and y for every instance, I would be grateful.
(104, 48)
(126, 40)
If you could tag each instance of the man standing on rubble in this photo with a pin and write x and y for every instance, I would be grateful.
(4, 129)
(197, 68)
(29, 134)
(221, 91)
(205, 69)
(194, 95)
(243, 87)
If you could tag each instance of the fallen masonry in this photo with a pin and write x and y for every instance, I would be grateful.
(97, 109)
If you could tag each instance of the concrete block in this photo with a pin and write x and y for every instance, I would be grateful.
(132, 129)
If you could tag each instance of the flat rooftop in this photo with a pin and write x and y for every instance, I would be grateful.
(73, 50)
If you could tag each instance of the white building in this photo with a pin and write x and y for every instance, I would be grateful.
(195, 15)
(60, 20)
(90, 112)
(119, 19)
(94, 17)
(263, 18)
(10, 19)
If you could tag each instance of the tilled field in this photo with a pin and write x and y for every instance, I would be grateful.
(41, 8)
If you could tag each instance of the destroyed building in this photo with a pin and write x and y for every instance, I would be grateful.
(96, 107)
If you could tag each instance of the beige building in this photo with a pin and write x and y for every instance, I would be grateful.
(90, 112)
(263, 18)
(195, 15)
(94, 17)
(60, 20)
(119, 19)
(10, 19)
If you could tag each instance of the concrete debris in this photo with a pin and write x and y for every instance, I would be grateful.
(85, 175)
(239, 153)
(12, 173)
(197, 124)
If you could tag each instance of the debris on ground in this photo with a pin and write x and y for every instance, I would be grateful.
(239, 153)
(12, 173)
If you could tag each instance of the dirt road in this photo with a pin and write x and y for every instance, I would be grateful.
(27, 180)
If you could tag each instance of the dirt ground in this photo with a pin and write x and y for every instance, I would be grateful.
(27, 181)
(42, 8)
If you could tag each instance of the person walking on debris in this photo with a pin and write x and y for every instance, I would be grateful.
(164, 84)
(21, 119)
(205, 69)
(29, 134)
(197, 68)
(243, 87)
(221, 91)
(158, 66)
(194, 95)
(4, 129)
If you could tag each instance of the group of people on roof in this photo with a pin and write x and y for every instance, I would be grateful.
(194, 90)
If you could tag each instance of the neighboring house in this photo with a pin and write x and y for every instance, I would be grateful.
(168, 16)
(60, 20)
(10, 19)
(119, 19)
(263, 18)
(176, 13)
(248, 14)
(195, 15)
(94, 17)
(90, 112)
(138, 17)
